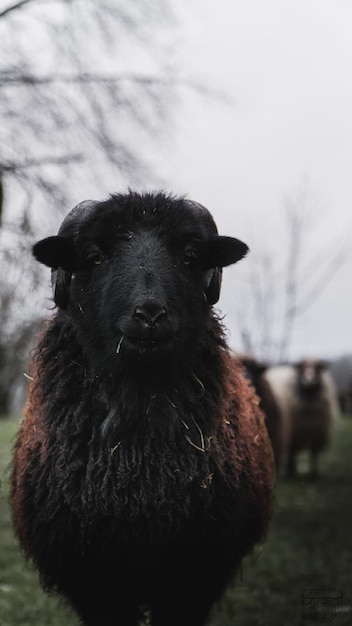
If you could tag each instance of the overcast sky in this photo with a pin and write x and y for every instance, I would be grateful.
(287, 69)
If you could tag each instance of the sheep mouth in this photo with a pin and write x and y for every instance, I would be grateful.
(149, 346)
(144, 346)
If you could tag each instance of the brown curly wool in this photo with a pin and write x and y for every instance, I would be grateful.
(142, 471)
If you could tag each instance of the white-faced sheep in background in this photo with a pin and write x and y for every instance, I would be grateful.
(307, 397)
(142, 472)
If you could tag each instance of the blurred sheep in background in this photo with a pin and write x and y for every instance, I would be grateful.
(306, 394)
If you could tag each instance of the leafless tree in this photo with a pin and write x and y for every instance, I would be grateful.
(286, 276)
(84, 86)
(71, 90)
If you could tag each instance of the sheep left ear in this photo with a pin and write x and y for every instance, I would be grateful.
(218, 253)
(222, 251)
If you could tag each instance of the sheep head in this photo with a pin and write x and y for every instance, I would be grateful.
(138, 271)
(309, 375)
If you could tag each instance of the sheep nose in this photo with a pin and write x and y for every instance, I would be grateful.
(150, 314)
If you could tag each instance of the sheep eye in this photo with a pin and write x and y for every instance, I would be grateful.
(95, 258)
(189, 256)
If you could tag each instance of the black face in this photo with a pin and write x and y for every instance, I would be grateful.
(309, 374)
(143, 293)
(134, 273)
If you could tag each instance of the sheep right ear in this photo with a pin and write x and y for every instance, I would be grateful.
(55, 252)
(217, 253)
(58, 253)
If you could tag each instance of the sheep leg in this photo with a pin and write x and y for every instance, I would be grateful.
(104, 616)
(185, 596)
(97, 608)
(186, 610)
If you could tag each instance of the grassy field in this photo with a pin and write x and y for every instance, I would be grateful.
(301, 576)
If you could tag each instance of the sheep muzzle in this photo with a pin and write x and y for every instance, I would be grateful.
(149, 328)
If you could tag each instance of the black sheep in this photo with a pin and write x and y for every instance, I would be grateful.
(142, 471)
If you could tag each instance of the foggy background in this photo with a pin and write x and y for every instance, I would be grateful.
(244, 107)
(284, 139)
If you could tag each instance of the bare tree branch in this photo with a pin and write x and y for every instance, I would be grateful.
(295, 229)
(14, 7)
(62, 160)
(323, 280)
(281, 290)
(11, 78)
(30, 79)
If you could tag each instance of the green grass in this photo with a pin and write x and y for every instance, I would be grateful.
(309, 547)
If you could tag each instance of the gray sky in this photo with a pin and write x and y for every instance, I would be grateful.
(286, 65)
